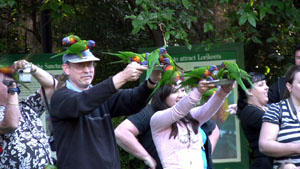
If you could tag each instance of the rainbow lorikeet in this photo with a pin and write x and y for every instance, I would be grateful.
(77, 48)
(128, 57)
(164, 58)
(232, 71)
(170, 76)
(194, 76)
(208, 94)
(7, 70)
(11, 72)
(70, 40)
(152, 60)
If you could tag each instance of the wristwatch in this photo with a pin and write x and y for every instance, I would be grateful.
(14, 90)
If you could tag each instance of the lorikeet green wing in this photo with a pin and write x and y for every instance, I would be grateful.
(76, 48)
(221, 73)
(190, 82)
(134, 57)
(173, 60)
(234, 73)
(123, 58)
(208, 94)
(194, 76)
(199, 73)
(127, 57)
(165, 79)
(152, 60)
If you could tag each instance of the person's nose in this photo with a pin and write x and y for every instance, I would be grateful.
(267, 87)
(86, 68)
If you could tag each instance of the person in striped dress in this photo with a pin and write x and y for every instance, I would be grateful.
(280, 132)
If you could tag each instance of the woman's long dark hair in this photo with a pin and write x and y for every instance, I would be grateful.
(159, 103)
(242, 101)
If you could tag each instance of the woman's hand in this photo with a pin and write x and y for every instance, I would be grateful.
(150, 162)
(204, 85)
(228, 87)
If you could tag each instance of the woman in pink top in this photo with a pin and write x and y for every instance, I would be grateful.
(175, 125)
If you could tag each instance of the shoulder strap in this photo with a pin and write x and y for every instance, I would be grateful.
(45, 96)
(280, 112)
(292, 106)
(278, 85)
(46, 99)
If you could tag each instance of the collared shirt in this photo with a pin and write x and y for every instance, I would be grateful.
(70, 86)
(27, 146)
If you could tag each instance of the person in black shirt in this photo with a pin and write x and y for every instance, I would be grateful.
(81, 113)
(278, 88)
(251, 108)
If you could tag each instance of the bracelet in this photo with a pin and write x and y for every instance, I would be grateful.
(13, 104)
(151, 82)
(14, 90)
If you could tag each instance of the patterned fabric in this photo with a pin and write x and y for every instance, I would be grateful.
(289, 129)
(27, 147)
(184, 151)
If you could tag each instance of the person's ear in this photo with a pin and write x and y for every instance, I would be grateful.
(250, 91)
(66, 69)
(289, 86)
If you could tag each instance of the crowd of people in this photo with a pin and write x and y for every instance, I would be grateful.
(171, 131)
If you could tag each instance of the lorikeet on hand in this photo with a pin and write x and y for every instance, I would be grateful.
(194, 76)
(127, 57)
(208, 94)
(152, 60)
(11, 72)
(170, 76)
(232, 71)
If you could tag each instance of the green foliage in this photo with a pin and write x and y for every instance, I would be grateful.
(266, 27)
(62, 9)
(7, 3)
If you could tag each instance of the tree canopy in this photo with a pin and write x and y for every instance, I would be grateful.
(269, 29)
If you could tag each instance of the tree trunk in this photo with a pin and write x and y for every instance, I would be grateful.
(156, 34)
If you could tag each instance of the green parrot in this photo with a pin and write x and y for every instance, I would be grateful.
(71, 39)
(152, 60)
(127, 57)
(160, 57)
(171, 59)
(233, 72)
(77, 48)
(194, 76)
(200, 72)
(222, 72)
(169, 76)
(208, 94)
(9, 71)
